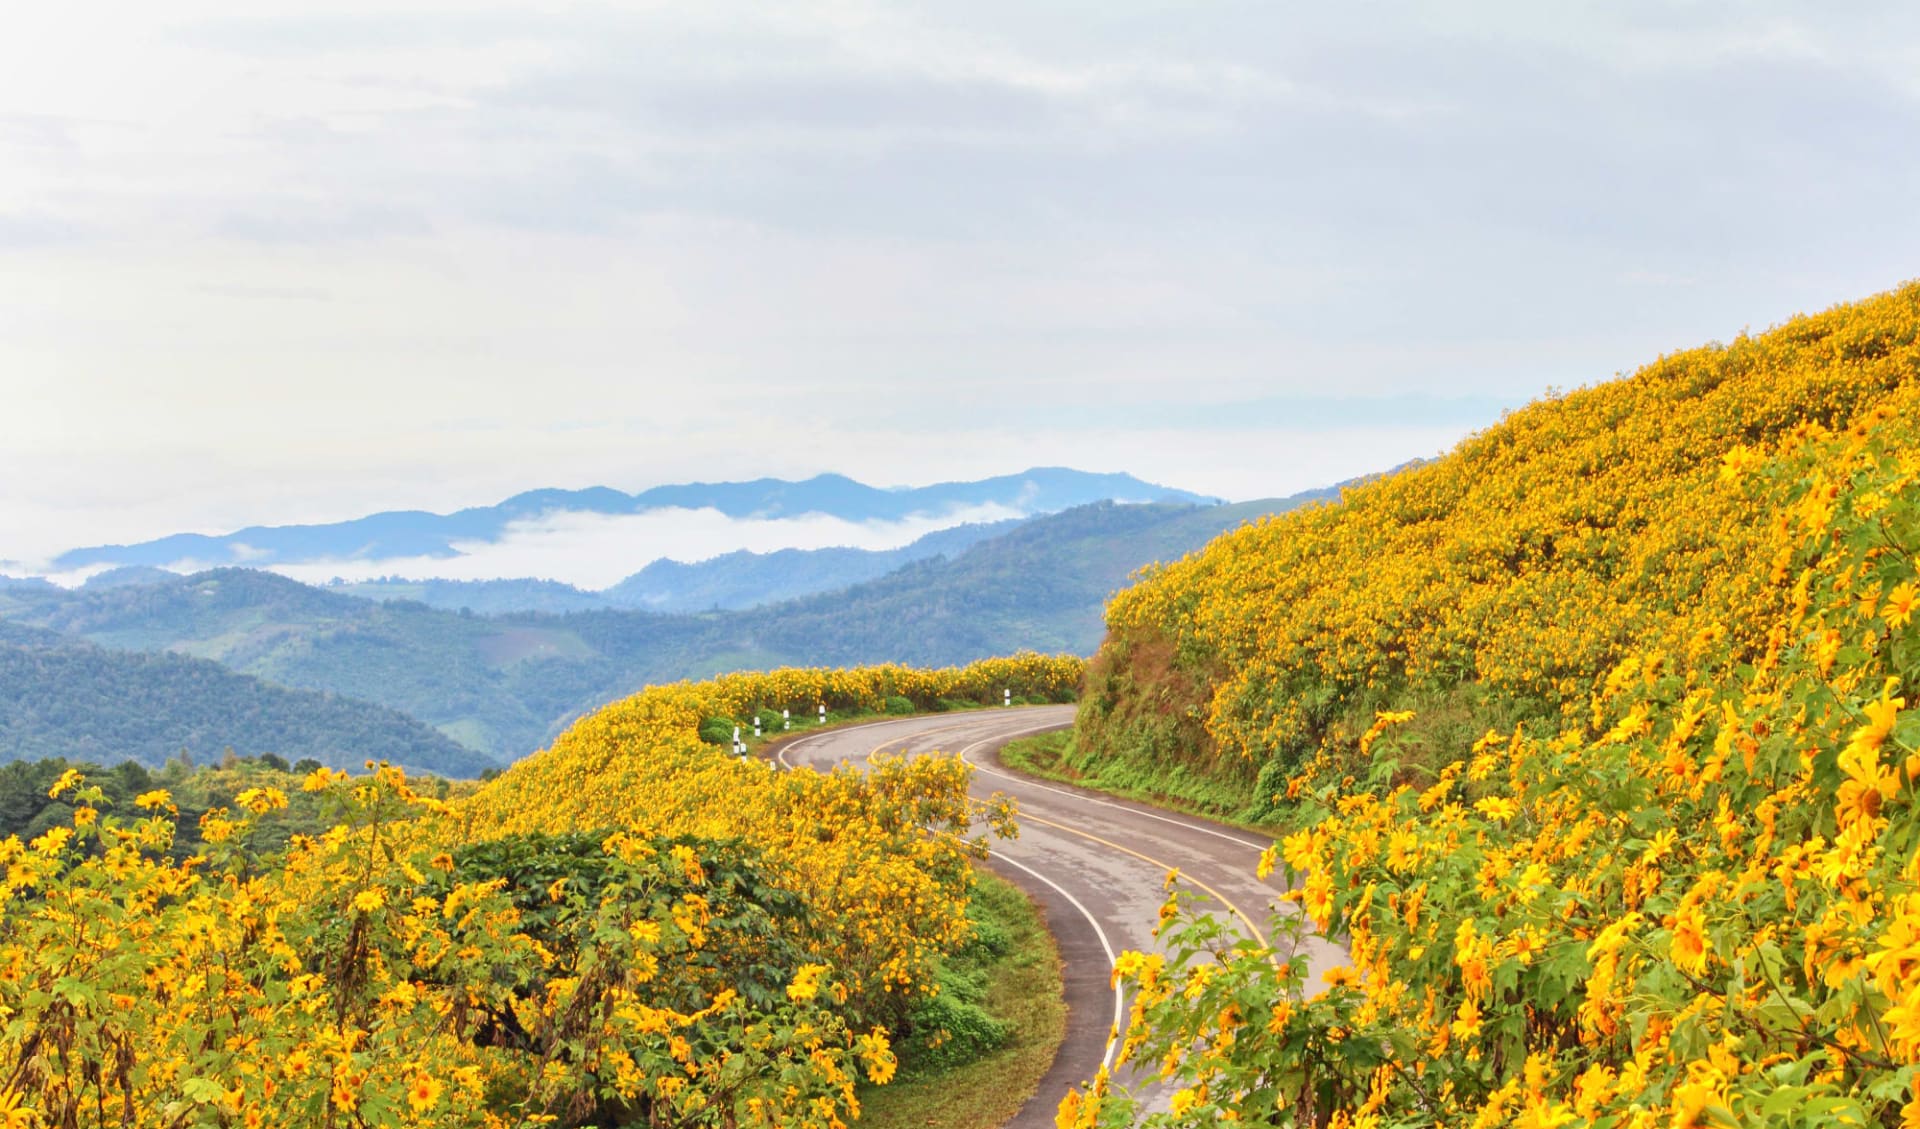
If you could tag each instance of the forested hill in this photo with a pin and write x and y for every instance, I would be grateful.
(60, 697)
(1044, 584)
(739, 580)
(506, 685)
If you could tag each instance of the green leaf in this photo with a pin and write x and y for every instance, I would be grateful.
(203, 1091)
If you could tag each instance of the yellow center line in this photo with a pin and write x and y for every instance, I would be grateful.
(1252, 929)
(1028, 817)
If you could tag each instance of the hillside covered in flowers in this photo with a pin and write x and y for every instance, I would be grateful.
(1594, 739)
(634, 927)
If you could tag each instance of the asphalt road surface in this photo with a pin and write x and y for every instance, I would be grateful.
(1096, 865)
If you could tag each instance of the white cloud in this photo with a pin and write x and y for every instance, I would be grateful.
(297, 261)
(594, 551)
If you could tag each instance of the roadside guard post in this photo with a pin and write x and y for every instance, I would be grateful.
(786, 721)
(823, 713)
(1006, 697)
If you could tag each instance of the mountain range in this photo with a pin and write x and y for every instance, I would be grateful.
(502, 685)
(730, 581)
(413, 535)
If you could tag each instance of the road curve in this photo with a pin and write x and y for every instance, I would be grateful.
(1096, 865)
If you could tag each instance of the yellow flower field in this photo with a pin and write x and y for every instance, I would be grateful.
(1668, 876)
(631, 927)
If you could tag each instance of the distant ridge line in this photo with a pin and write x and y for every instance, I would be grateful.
(414, 534)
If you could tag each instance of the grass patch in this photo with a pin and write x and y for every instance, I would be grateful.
(1006, 1016)
(1180, 788)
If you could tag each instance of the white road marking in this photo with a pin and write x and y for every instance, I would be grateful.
(1119, 995)
(1031, 783)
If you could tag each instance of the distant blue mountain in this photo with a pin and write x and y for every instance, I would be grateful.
(746, 579)
(729, 582)
(415, 533)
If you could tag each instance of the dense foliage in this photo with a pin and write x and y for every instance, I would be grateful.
(60, 697)
(887, 899)
(633, 928)
(1668, 876)
(28, 808)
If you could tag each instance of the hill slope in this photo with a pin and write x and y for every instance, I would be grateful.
(63, 698)
(1539, 553)
(735, 581)
(1591, 737)
(1043, 584)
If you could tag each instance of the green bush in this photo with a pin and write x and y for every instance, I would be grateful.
(897, 704)
(717, 730)
(951, 1027)
(989, 939)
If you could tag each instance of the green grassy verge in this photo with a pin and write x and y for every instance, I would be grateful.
(1053, 756)
(1004, 988)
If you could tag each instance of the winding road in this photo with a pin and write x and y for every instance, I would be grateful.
(1096, 865)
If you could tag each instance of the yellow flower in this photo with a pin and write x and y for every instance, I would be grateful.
(1900, 604)
(1466, 1023)
(370, 899)
(806, 982)
(1702, 1099)
(53, 841)
(1738, 462)
(877, 1053)
(1317, 898)
(1341, 976)
(259, 801)
(1498, 808)
(1689, 945)
(423, 1093)
(13, 1115)
(1864, 746)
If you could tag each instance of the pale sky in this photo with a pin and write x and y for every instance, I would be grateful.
(282, 262)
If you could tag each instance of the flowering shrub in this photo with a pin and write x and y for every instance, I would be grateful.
(1686, 893)
(1502, 580)
(886, 897)
(633, 927)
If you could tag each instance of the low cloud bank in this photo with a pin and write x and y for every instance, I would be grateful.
(594, 551)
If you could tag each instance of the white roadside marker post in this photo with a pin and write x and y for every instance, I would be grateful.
(1006, 697)
(823, 713)
(786, 721)
(738, 748)
(756, 726)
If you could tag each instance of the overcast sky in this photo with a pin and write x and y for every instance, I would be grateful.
(277, 262)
